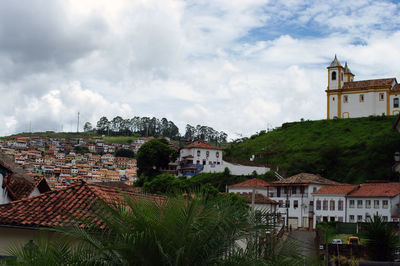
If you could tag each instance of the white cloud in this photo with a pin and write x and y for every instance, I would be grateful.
(237, 66)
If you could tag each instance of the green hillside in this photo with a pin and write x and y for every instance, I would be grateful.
(347, 150)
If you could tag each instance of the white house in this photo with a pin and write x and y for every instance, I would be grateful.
(374, 199)
(294, 195)
(348, 98)
(260, 189)
(199, 156)
(330, 203)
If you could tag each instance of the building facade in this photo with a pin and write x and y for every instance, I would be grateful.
(347, 98)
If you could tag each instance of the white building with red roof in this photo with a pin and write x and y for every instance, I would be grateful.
(200, 156)
(348, 98)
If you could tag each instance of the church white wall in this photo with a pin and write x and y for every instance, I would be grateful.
(333, 84)
(333, 102)
(392, 109)
(370, 106)
(214, 156)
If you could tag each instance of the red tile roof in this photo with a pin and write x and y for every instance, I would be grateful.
(251, 183)
(305, 179)
(62, 207)
(18, 182)
(199, 144)
(377, 190)
(338, 189)
(258, 198)
(368, 84)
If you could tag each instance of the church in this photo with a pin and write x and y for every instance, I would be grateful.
(347, 98)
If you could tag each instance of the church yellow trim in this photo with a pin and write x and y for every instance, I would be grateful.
(387, 102)
(327, 100)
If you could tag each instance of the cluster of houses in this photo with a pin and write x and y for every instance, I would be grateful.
(305, 199)
(56, 159)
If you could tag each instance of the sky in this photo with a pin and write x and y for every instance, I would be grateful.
(237, 66)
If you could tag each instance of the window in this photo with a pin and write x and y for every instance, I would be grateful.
(333, 98)
(332, 205)
(359, 218)
(385, 218)
(318, 207)
(278, 191)
(325, 205)
(361, 98)
(351, 204)
(359, 204)
(293, 190)
(281, 204)
(318, 219)
(295, 204)
(341, 76)
(368, 204)
(376, 204)
(340, 205)
(198, 153)
(334, 75)
(351, 218)
(207, 153)
(198, 162)
(395, 102)
(385, 204)
(345, 98)
(287, 203)
(314, 189)
(381, 96)
(368, 218)
(271, 194)
(217, 154)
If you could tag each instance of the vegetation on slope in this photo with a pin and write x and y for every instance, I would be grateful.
(346, 150)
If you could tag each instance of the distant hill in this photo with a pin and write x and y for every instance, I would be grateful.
(347, 150)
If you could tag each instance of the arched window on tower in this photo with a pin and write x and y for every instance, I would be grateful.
(334, 75)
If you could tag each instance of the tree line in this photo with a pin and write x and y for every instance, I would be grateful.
(146, 126)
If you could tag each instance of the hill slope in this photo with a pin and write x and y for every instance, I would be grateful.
(347, 150)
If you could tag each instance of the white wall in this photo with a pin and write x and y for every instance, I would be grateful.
(235, 169)
(212, 155)
(329, 213)
(372, 210)
(370, 106)
(3, 192)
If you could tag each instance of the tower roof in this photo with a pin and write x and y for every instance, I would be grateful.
(335, 63)
(347, 69)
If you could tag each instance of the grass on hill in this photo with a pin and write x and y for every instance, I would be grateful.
(347, 150)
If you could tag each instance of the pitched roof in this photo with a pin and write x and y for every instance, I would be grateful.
(251, 183)
(305, 178)
(376, 190)
(258, 198)
(18, 182)
(335, 63)
(62, 207)
(201, 145)
(368, 84)
(336, 189)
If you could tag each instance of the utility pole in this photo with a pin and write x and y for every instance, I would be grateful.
(77, 126)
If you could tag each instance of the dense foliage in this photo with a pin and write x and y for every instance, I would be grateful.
(154, 155)
(347, 150)
(125, 153)
(146, 126)
(180, 231)
(381, 240)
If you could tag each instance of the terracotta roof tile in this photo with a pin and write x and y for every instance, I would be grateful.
(252, 183)
(258, 198)
(305, 178)
(367, 84)
(61, 207)
(201, 145)
(336, 189)
(377, 190)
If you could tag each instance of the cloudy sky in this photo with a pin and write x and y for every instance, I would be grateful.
(237, 66)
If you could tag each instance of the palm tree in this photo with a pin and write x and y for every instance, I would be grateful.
(180, 231)
(381, 240)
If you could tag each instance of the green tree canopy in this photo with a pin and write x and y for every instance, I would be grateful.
(154, 155)
(125, 153)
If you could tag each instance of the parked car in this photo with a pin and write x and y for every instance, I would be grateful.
(337, 241)
(353, 240)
